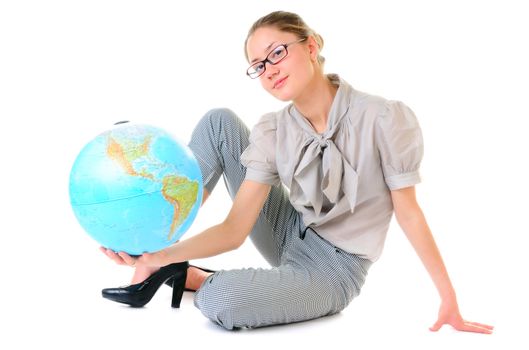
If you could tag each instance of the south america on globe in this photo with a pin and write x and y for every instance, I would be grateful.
(135, 188)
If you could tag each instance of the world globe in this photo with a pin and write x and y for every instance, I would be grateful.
(135, 188)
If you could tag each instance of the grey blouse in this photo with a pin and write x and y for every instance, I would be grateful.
(340, 180)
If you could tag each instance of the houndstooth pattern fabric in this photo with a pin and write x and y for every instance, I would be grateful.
(309, 277)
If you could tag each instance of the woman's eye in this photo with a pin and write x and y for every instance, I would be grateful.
(259, 67)
(278, 52)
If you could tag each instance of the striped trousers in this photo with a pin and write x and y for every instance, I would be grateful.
(308, 278)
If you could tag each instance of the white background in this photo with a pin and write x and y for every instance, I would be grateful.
(70, 69)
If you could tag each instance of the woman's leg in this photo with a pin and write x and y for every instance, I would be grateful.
(217, 142)
(315, 279)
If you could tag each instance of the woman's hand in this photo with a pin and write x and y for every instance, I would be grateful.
(157, 259)
(449, 314)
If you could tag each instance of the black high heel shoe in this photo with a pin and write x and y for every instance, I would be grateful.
(139, 294)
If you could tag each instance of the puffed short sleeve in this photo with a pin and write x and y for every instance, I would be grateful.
(259, 157)
(400, 145)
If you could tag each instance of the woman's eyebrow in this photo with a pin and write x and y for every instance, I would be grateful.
(265, 50)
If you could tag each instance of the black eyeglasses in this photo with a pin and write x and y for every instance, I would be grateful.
(274, 57)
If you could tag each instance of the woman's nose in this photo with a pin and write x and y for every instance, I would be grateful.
(271, 70)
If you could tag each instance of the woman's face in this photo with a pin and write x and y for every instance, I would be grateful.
(287, 79)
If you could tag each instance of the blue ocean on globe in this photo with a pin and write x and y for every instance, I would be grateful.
(135, 188)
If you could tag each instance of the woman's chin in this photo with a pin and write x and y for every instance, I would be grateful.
(283, 96)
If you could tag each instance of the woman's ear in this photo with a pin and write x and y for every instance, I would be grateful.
(314, 48)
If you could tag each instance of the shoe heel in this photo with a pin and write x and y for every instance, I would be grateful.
(179, 282)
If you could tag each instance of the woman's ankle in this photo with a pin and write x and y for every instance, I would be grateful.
(195, 277)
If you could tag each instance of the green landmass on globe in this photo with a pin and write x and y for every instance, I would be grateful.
(178, 190)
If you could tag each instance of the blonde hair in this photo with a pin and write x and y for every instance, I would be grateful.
(286, 22)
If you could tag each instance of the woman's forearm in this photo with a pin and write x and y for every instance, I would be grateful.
(213, 241)
(418, 233)
(412, 221)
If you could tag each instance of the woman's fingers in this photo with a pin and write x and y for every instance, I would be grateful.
(481, 325)
(465, 326)
(471, 327)
(127, 259)
(436, 326)
(113, 256)
(120, 258)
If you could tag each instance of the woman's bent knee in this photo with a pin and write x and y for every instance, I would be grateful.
(220, 121)
(214, 307)
(220, 115)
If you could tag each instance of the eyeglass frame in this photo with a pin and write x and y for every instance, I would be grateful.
(268, 60)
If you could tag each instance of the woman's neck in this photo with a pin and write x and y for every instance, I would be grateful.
(315, 103)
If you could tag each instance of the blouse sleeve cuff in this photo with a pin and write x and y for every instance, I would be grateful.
(262, 177)
(399, 181)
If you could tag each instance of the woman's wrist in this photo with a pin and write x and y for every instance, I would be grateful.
(168, 256)
(448, 296)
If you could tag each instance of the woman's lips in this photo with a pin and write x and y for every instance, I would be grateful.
(279, 83)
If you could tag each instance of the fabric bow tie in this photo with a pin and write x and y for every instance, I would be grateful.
(321, 172)
(323, 177)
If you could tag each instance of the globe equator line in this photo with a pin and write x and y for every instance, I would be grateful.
(119, 199)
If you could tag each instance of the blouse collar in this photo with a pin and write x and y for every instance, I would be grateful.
(339, 108)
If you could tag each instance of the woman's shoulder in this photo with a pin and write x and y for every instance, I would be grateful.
(274, 120)
(367, 101)
(374, 105)
(383, 111)
(266, 125)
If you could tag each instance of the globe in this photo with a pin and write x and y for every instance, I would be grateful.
(135, 188)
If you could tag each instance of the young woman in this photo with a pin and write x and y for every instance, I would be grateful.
(348, 159)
